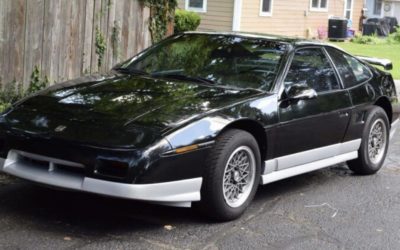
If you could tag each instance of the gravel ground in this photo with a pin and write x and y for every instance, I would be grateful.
(326, 209)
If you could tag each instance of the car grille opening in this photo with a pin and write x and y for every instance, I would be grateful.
(33, 162)
(49, 164)
(70, 169)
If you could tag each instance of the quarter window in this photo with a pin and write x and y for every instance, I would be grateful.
(312, 67)
(319, 5)
(266, 7)
(351, 70)
(196, 5)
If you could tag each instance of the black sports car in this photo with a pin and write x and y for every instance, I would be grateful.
(205, 118)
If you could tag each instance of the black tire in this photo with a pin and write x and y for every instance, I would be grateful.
(213, 203)
(364, 165)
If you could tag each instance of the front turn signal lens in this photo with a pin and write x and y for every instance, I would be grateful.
(186, 149)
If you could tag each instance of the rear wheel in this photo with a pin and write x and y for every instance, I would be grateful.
(374, 144)
(231, 175)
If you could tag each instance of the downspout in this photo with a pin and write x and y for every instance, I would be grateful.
(237, 15)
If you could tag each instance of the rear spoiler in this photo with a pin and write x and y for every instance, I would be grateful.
(385, 63)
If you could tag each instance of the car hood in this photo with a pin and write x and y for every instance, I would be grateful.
(117, 110)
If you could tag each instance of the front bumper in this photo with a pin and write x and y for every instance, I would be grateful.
(175, 193)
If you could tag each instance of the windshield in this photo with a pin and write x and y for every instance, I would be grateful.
(226, 60)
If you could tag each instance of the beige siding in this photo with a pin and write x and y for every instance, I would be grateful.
(357, 8)
(293, 18)
(289, 17)
(218, 16)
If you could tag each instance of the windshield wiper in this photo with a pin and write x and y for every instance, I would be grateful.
(184, 77)
(131, 71)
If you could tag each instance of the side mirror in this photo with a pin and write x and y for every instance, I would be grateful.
(300, 91)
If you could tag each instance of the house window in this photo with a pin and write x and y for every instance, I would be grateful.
(319, 5)
(377, 7)
(266, 7)
(196, 5)
(348, 10)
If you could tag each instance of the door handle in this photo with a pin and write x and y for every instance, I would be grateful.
(343, 114)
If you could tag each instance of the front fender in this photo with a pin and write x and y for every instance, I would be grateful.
(262, 110)
(203, 130)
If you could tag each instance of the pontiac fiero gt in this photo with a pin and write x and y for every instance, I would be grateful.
(205, 118)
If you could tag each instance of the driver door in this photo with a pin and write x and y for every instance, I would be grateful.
(307, 124)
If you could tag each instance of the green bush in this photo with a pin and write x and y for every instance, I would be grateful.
(186, 21)
(11, 92)
(368, 40)
(14, 91)
(36, 83)
(394, 37)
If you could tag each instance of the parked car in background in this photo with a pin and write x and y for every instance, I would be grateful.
(203, 119)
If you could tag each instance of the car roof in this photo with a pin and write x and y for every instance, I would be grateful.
(295, 41)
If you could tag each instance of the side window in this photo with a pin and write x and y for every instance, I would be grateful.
(350, 69)
(312, 67)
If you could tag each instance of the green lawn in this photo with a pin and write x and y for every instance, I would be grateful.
(387, 51)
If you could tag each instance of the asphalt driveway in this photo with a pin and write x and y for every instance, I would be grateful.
(326, 209)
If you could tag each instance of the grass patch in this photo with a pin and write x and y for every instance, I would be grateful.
(387, 51)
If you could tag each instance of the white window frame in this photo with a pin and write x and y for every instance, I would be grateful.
(237, 15)
(264, 13)
(201, 10)
(319, 9)
(381, 10)
(346, 9)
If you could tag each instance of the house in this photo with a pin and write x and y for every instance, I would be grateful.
(302, 18)
(382, 8)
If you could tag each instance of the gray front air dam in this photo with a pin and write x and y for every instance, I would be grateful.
(175, 193)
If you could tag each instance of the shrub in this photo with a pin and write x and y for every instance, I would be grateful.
(186, 21)
(11, 92)
(394, 37)
(14, 91)
(368, 40)
(36, 82)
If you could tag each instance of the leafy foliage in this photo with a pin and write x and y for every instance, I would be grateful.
(14, 91)
(368, 40)
(394, 37)
(162, 12)
(115, 39)
(11, 93)
(186, 21)
(36, 82)
(101, 46)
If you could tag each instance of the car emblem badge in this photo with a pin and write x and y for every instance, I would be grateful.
(60, 128)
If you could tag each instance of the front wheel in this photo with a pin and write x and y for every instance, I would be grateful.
(374, 143)
(231, 175)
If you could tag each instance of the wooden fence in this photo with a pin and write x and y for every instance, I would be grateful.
(59, 36)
